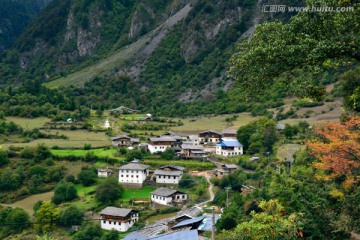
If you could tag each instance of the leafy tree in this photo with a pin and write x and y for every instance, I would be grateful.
(338, 150)
(71, 216)
(42, 152)
(64, 191)
(18, 220)
(4, 158)
(168, 154)
(226, 222)
(70, 178)
(133, 154)
(187, 181)
(37, 205)
(112, 235)
(46, 217)
(109, 191)
(272, 223)
(309, 43)
(350, 82)
(86, 177)
(89, 231)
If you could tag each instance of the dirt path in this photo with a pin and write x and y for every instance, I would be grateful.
(210, 189)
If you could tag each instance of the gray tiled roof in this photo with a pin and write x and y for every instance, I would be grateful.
(174, 167)
(135, 236)
(231, 166)
(162, 139)
(164, 192)
(134, 166)
(194, 137)
(167, 173)
(229, 131)
(114, 211)
(120, 136)
(210, 131)
(192, 147)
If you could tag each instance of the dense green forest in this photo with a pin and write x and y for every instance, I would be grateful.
(15, 17)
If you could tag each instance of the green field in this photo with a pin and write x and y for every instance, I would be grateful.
(29, 123)
(100, 152)
(137, 193)
(188, 164)
(76, 139)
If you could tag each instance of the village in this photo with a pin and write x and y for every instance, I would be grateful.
(187, 224)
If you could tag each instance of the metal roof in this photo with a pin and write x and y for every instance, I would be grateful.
(114, 211)
(189, 221)
(120, 136)
(135, 236)
(165, 192)
(194, 137)
(181, 235)
(134, 166)
(206, 224)
(229, 142)
(210, 131)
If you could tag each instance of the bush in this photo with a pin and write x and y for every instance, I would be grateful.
(86, 177)
(109, 191)
(71, 216)
(87, 146)
(64, 191)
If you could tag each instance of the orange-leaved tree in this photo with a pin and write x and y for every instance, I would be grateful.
(337, 148)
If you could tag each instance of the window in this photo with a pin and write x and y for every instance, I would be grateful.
(183, 196)
(122, 175)
(132, 176)
(168, 177)
(109, 222)
(174, 177)
(137, 176)
(127, 175)
(104, 221)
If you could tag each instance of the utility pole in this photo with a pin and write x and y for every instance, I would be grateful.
(227, 196)
(213, 224)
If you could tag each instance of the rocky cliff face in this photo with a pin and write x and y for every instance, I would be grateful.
(78, 32)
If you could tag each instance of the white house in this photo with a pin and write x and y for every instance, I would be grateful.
(133, 173)
(120, 219)
(104, 172)
(229, 147)
(209, 137)
(160, 144)
(166, 196)
(194, 140)
(170, 174)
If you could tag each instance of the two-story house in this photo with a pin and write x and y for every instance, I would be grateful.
(124, 141)
(166, 196)
(120, 219)
(170, 174)
(133, 173)
(160, 144)
(229, 147)
(209, 137)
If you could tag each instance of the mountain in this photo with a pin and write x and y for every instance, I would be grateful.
(16, 15)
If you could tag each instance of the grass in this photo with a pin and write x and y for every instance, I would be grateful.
(155, 218)
(217, 123)
(288, 150)
(28, 203)
(137, 193)
(100, 152)
(188, 164)
(29, 123)
(76, 139)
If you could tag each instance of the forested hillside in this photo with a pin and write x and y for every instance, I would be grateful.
(15, 17)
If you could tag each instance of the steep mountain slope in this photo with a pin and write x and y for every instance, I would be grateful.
(68, 35)
(15, 17)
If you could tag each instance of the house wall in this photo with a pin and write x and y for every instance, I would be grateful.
(210, 139)
(109, 224)
(132, 176)
(168, 179)
(157, 148)
(176, 198)
(235, 152)
(103, 174)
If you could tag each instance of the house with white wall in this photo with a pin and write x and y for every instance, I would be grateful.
(119, 219)
(209, 137)
(160, 144)
(229, 147)
(133, 173)
(166, 196)
(104, 172)
(170, 174)
(193, 139)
